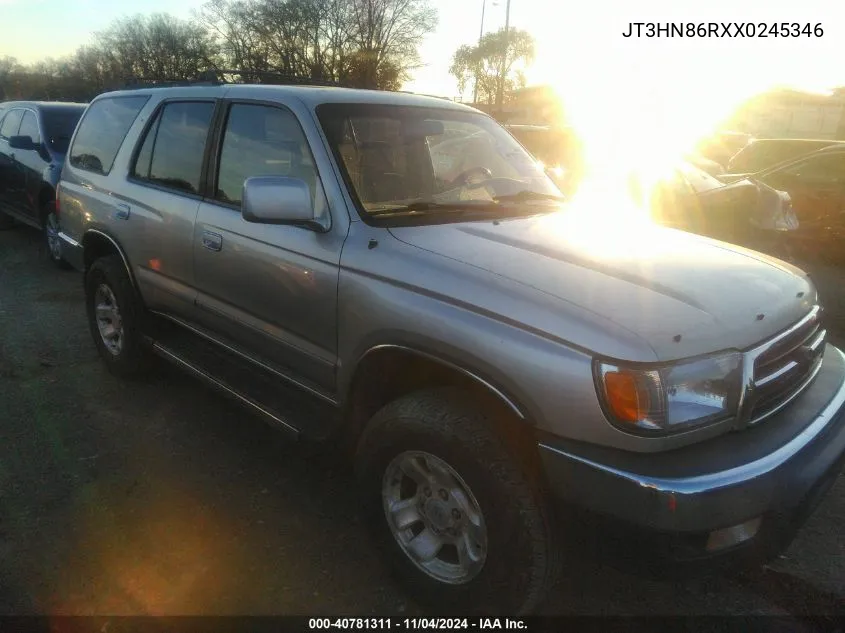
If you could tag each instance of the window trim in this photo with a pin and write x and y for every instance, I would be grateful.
(155, 120)
(79, 124)
(214, 159)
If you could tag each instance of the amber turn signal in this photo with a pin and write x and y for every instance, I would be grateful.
(628, 401)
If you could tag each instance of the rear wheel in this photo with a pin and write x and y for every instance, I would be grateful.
(115, 316)
(463, 524)
(51, 236)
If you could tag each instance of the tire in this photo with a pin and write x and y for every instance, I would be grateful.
(51, 236)
(437, 427)
(107, 284)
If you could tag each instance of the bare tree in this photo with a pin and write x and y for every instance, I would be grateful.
(366, 43)
(230, 23)
(157, 46)
(388, 34)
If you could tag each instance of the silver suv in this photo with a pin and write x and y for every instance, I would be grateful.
(399, 272)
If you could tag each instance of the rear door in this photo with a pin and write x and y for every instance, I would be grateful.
(270, 289)
(162, 197)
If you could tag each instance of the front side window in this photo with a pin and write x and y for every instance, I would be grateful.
(400, 159)
(172, 151)
(11, 123)
(262, 141)
(102, 131)
(29, 127)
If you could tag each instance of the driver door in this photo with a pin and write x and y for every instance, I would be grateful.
(269, 289)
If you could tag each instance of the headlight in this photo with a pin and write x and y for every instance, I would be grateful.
(670, 398)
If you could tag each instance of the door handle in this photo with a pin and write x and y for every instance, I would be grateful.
(122, 212)
(212, 241)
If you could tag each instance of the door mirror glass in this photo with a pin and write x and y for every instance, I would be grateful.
(278, 200)
(22, 142)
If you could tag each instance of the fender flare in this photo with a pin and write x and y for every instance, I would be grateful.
(117, 247)
(489, 386)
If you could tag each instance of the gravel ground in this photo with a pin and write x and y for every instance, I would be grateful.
(159, 497)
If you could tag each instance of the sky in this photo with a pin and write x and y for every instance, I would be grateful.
(572, 38)
(609, 82)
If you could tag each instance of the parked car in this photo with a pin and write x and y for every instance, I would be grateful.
(34, 138)
(747, 213)
(491, 363)
(816, 184)
(763, 153)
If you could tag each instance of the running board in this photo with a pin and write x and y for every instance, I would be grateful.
(275, 420)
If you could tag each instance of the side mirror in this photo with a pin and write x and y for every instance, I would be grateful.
(278, 200)
(22, 142)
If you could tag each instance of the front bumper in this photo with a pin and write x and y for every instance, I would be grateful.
(72, 251)
(777, 472)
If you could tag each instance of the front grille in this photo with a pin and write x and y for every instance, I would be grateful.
(786, 365)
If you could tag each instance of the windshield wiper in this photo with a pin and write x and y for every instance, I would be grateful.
(527, 194)
(431, 205)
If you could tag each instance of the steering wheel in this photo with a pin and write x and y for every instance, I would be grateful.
(463, 178)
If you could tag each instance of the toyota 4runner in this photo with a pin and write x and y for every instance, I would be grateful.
(398, 271)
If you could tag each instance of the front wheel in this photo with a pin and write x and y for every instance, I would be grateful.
(463, 525)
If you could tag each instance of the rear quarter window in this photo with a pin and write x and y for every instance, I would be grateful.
(102, 131)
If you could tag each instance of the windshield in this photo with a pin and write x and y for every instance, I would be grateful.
(400, 159)
(59, 126)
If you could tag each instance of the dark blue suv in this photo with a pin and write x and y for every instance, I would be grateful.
(34, 138)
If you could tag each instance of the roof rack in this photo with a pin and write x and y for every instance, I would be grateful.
(276, 78)
(217, 77)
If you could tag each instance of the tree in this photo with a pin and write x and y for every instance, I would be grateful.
(158, 46)
(388, 33)
(365, 43)
(497, 62)
(229, 23)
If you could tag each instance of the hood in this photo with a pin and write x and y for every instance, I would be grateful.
(683, 294)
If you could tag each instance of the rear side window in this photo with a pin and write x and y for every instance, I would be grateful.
(102, 131)
(11, 124)
(172, 151)
(29, 127)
